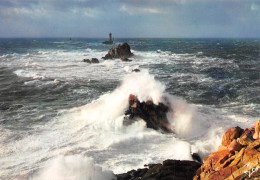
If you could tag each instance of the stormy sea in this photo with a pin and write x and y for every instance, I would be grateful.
(61, 118)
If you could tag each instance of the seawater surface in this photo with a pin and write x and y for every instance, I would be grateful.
(62, 118)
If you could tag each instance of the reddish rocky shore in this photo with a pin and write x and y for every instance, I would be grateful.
(238, 156)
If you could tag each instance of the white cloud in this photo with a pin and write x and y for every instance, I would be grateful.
(88, 12)
(22, 11)
(139, 10)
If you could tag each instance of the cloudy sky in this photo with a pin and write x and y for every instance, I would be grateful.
(130, 18)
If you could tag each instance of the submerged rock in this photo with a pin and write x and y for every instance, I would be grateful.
(153, 115)
(236, 158)
(121, 51)
(136, 70)
(125, 59)
(93, 60)
(86, 60)
(168, 170)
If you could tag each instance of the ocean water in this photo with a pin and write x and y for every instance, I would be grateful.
(61, 118)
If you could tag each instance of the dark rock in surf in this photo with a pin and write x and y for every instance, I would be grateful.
(94, 60)
(86, 60)
(121, 51)
(153, 115)
(136, 70)
(125, 59)
(168, 170)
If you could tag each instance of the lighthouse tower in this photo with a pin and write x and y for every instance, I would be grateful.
(110, 40)
(110, 37)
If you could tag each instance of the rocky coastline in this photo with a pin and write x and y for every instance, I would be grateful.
(238, 156)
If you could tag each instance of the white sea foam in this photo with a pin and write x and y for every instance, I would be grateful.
(101, 125)
(74, 168)
(97, 129)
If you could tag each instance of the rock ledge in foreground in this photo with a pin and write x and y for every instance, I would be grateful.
(168, 170)
(236, 158)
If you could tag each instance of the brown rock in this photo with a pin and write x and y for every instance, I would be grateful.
(257, 130)
(234, 146)
(234, 158)
(230, 135)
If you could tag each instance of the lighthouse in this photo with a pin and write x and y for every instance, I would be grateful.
(110, 40)
(110, 37)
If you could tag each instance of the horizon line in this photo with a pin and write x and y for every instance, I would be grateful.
(67, 37)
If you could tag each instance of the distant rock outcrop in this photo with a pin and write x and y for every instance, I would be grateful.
(153, 115)
(121, 51)
(238, 156)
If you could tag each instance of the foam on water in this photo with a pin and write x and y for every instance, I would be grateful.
(96, 130)
(73, 167)
(98, 127)
(61, 146)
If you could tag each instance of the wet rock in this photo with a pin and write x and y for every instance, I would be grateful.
(196, 157)
(120, 51)
(153, 115)
(168, 170)
(136, 70)
(94, 60)
(125, 59)
(86, 60)
(238, 155)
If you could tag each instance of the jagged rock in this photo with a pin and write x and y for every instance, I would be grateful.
(168, 170)
(238, 155)
(86, 60)
(153, 115)
(121, 51)
(94, 60)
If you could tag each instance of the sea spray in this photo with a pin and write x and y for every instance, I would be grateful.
(73, 168)
(220, 87)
